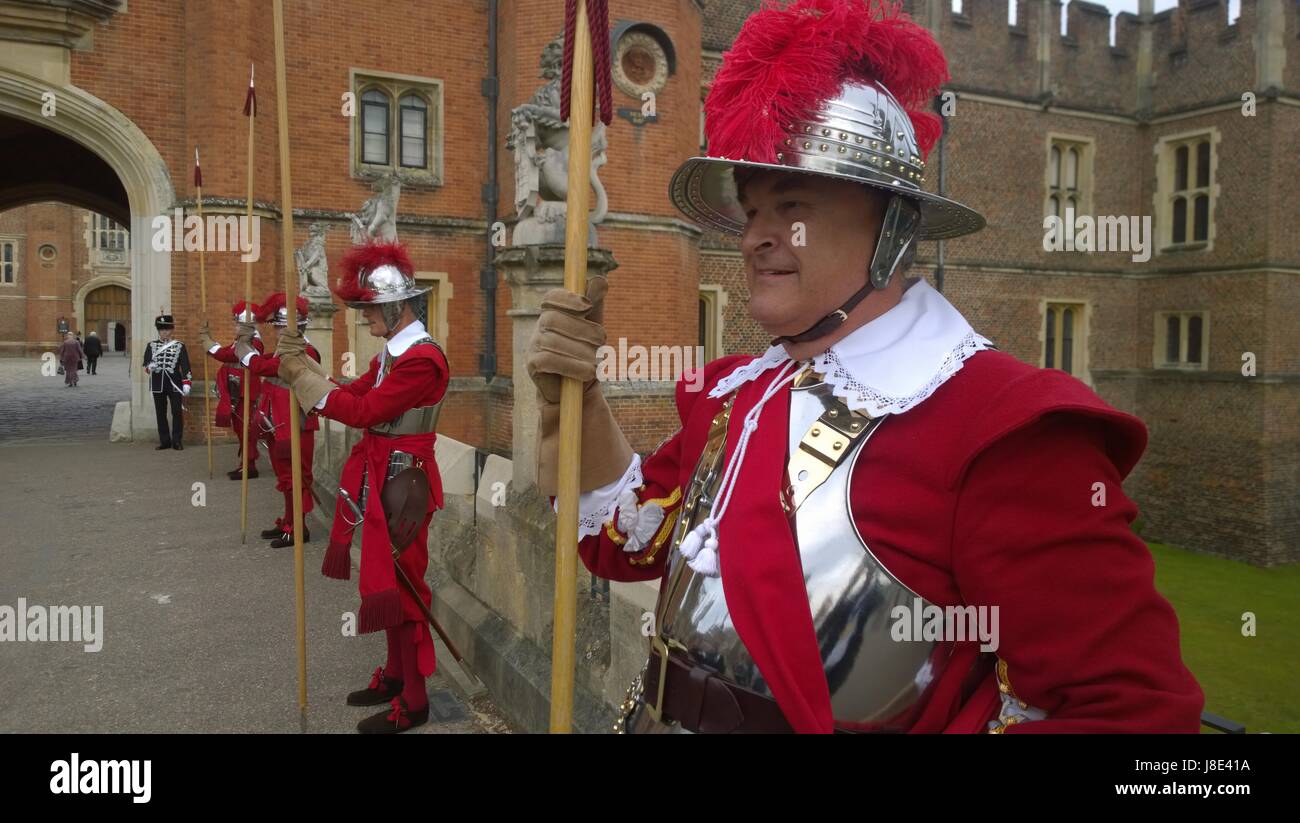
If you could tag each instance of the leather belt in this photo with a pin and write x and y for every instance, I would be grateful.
(696, 698)
(679, 690)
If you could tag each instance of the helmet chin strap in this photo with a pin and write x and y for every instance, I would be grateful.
(897, 231)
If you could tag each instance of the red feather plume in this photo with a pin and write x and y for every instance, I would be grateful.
(273, 303)
(789, 57)
(364, 258)
(239, 307)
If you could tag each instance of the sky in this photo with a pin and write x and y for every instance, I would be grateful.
(1117, 6)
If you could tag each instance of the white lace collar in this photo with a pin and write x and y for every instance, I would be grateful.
(400, 342)
(890, 364)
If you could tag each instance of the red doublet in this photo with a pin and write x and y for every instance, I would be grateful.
(230, 412)
(984, 494)
(417, 378)
(275, 406)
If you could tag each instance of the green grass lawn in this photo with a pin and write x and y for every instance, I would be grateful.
(1252, 680)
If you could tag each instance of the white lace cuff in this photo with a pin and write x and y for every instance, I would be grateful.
(597, 507)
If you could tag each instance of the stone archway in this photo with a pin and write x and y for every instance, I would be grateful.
(127, 151)
(105, 286)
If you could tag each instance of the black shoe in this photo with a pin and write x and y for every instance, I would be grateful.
(382, 689)
(236, 474)
(272, 533)
(286, 539)
(177, 446)
(392, 722)
(163, 446)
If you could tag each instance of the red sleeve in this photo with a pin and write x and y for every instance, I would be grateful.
(364, 383)
(410, 378)
(264, 365)
(604, 554)
(1085, 635)
(225, 354)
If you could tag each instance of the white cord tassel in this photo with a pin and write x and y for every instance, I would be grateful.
(700, 547)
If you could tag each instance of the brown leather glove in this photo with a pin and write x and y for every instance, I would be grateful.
(205, 337)
(244, 340)
(291, 342)
(565, 344)
(308, 386)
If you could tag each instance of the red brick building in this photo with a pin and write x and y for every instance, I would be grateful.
(1154, 125)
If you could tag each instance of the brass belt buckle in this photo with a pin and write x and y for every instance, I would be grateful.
(659, 644)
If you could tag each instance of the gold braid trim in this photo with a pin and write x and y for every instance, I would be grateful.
(647, 557)
(1004, 687)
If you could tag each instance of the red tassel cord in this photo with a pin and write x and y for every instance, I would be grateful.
(598, 24)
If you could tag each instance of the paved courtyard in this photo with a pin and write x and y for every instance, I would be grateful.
(198, 628)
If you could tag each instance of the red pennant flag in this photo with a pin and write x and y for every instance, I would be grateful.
(250, 102)
(198, 173)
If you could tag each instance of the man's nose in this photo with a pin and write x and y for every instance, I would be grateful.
(761, 235)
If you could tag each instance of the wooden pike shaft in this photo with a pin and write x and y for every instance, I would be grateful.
(248, 301)
(203, 312)
(563, 640)
(291, 301)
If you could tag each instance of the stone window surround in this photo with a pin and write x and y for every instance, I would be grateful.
(1162, 198)
(715, 298)
(1158, 347)
(1082, 333)
(1088, 154)
(18, 242)
(438, 327)
(397, 86)
(98, 258)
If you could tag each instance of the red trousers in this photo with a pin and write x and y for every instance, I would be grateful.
(282, 462)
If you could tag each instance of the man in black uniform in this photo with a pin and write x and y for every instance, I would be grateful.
(94, 348)
(168, 364)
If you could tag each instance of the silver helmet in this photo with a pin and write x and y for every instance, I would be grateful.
(275, 310)
(861, 134)
(243, 312)
(375, 273)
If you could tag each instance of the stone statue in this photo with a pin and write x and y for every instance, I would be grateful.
(378, 216)
(313, 267)
(540, 142)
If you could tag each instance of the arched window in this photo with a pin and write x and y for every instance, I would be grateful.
(1180, 220)
(414, 131)
(1068, 175)
(374, 127)
(1189, 190)
(1201, 218)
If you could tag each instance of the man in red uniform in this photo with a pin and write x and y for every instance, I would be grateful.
(272, 418)
(881, 523)
(232, 380)
(395, 403)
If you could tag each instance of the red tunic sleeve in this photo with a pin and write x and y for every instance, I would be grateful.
(225, 354)
(1084, 633)
(665, 472)
(365, 382)
(413, 381)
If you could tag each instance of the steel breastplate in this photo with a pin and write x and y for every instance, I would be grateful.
(418, 420)
(876, 683)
